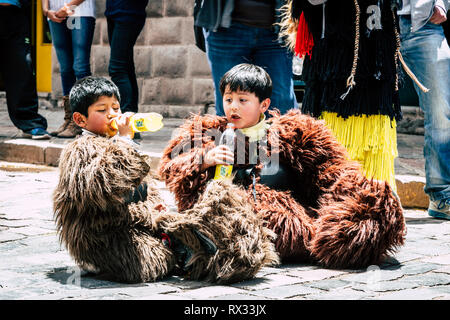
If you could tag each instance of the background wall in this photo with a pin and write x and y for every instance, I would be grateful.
(173, 75)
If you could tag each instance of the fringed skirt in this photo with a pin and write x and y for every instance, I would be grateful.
(369, 139)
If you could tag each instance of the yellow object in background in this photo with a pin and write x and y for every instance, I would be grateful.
(43, 49)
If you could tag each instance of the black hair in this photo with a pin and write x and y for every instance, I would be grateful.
(249, 78)
(88, 90)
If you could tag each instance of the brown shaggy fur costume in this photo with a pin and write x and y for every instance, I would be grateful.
(122, 239)
(333, 216)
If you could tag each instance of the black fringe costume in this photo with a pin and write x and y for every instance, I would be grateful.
(356, 38)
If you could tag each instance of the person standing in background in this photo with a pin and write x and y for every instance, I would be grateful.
(426, 51)
(17, 72)
(350, 70)
(245, 31)
(72, 27)
(125, 19)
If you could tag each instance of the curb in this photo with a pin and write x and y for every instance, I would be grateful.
(409, 188)
(45, 153)
(410, 191)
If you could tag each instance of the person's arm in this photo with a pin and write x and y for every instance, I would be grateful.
(68, 8)
(44, 7)
(443, 4)
(50, 13)
(439, 12)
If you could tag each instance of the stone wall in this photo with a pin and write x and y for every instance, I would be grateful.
(173, 75)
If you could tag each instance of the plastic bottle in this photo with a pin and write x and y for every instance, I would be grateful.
(141, 122)
(228, 138)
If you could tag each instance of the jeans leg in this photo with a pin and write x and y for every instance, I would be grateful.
(81, 44)
(427, 53)
(20, 83)
(226, 48)
(62, 42)
(122, 37)
(277, 61)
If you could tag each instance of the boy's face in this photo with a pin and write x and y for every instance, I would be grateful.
(100, 115)
(243, 108)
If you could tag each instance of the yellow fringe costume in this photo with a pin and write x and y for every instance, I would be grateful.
(371, 140)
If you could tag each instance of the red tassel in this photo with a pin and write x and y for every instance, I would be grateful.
(304, 42)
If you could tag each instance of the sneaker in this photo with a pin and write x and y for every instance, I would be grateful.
(37, 134)
(439, 209)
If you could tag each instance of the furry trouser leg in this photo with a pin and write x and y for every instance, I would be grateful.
(359, 222)
(130, 257)
(289, 220)
(225, 217)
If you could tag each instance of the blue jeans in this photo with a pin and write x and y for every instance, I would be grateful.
(122, 36)
(228, 47)
(72, 42)
(427, 54)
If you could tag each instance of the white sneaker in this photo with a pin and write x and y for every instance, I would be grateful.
(439, 209)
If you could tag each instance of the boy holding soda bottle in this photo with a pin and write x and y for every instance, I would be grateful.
(297, 177)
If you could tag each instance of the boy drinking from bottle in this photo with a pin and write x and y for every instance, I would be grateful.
(301, 183)
(113, 221)
(95, 105)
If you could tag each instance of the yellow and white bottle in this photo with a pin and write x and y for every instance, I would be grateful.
(228, 138)
(142, 122)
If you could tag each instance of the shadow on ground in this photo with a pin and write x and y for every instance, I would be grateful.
(75, 276)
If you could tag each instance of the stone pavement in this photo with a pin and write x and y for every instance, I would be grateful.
(33, 265)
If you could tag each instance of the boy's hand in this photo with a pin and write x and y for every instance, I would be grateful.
(123, 125)
(64, 11)
(52, 16)
(218, 155)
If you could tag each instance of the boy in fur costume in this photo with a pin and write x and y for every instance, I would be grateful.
(320, 205)
(113, 220)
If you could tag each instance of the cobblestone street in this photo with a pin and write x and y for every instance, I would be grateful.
(33, 265)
